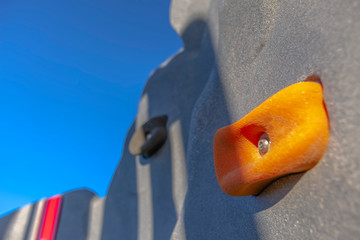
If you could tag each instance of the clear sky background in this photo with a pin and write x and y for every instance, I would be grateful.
(71, 76)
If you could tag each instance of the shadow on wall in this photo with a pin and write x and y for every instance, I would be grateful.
(4, 222)
(172, 90)
(20, 224)
(146, 201)
(208, 211)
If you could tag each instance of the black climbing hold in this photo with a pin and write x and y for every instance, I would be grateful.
(155, 135)
(150, 137)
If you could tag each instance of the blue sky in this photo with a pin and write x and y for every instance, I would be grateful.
(71, 75)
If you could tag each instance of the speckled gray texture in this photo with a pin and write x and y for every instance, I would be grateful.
(74, 218)
(264, 46)
(237, 54)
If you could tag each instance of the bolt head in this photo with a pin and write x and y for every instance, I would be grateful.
(264, 144)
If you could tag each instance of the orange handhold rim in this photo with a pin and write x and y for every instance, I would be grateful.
(296, 121)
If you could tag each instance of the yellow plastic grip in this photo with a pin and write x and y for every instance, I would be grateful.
(291, 128)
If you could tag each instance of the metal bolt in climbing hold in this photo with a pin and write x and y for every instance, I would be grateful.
(264, 144)
(148, 136)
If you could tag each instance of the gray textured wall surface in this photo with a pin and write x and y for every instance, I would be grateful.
(236, 55)
(262, 47)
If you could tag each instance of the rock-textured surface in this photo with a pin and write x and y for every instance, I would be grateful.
(236, 54)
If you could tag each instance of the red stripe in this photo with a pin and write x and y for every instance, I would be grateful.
(50, 218)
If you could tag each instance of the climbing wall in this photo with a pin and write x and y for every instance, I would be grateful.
(236, 55)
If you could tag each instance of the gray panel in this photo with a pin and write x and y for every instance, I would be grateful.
(5, 224)
(15, 226)
(74, 217)
(263, 47)
(150, 195)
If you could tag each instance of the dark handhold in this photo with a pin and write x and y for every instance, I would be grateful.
(148, 139)
(155, 134)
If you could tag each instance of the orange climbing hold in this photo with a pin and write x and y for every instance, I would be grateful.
(288, 133)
